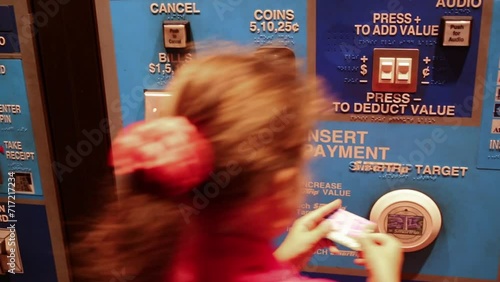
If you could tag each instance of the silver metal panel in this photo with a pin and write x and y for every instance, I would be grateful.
(10, 56)
(158, 104)
(105, 33)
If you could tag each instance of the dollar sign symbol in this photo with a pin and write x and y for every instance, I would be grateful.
(364, 70)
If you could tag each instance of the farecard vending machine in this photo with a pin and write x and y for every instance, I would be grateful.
(411, 139)
(31, 236)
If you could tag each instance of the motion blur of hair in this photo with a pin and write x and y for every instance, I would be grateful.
(255, 109)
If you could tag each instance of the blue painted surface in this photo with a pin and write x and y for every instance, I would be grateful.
(452, 77)
(7, 19)
(469, 242)
(467, 203)
(452, 69)
(489, 154)
(18, 128)
(34, 244)
(138, 39)
(341, 278)
(9, 41)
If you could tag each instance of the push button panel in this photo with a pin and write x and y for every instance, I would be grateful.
(176, 34)
(10, 256)
(386, 70)
(457, 31)
(403, 70)
(395, 70)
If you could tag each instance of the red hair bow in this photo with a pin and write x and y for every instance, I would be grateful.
(169, 150)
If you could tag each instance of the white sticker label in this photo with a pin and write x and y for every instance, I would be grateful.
(456, 33)
(495, 128)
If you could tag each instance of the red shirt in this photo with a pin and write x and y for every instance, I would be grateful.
(231, 258)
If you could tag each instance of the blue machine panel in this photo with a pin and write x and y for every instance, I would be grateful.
(32, 237)
(445, 76)
(7, 19)
(141, 55)
(419, 147)
(429, 142)
(9, 41)
(489, 146)
(432, 128)
(17, 148)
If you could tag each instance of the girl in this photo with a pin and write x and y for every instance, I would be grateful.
(210, 187)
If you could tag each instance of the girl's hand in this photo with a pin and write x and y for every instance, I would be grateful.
(382, 256)
(308, 235)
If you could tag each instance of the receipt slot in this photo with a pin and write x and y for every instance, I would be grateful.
(10, 257)
(395, 70)
(409, 215)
